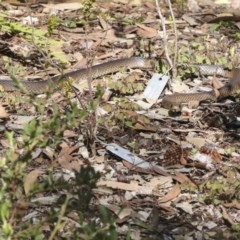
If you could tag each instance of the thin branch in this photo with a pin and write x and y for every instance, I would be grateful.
(176, 40)
(165, 37)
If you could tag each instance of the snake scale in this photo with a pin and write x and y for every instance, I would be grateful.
(169, 101)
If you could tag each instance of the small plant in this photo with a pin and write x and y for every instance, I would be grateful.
(219, 190)
(89, 10)
(74, 195)
(53, 22)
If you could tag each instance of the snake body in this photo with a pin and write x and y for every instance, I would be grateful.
(174, 101)
(78, 75)
(169, 101)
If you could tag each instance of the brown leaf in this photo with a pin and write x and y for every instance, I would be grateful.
(107, 55)
(108, 36)
(150, 5)
(237, 205)
(69, 134)
(103, 23)
(183, 161)
(232, 205)
(161, 171)
(166, 207)
(226, 216)
(132, 186)
(173, 193)
(30, 179)
(3, 113)
(216, 83)
(143, 127)
(62, 6)
(180, 177)
(146, 32)
(99, 159)
(66, 160)
(196, 141)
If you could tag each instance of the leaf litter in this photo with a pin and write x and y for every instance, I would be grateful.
(191, 189)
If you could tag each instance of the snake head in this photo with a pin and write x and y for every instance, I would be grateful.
(169, 103)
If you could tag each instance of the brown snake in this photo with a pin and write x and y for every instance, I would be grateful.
(174, 101)
(169, 101)
(79, 75)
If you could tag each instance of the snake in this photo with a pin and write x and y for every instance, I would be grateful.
(174, 101)
(77, 76)
(169, 101)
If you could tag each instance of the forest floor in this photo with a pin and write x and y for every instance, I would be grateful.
(68, 159)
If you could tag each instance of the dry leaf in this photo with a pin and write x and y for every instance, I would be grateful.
(146, 32)
(80, 58)
(193, 6)
(216, 83)
(5, 143)
(49, 152)
(150, 5)
(186, 207)
(62, 6)
(108, 36)
(226, 216)
(190, 20)
(99, 159)
(132, 186)
(131, 2)
(179, 87)
(216, 92)
(183, 161)
(196, 141)
(180, 177)
(69, 134)
(3, 113)
(30, 179)
(125, 212)
(66, 160)
(166, 207)
(142, 127)
(103, 23)
(232, 205)
(173, 193)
